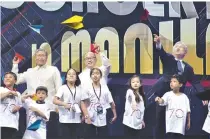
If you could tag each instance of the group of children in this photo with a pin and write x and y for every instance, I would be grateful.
(77, 104)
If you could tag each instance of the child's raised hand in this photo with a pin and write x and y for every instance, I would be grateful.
(157, 99)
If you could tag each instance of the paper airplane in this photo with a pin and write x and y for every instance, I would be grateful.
(35, 125)
(36, 28)
(145, 15)
(94, 48)
(74, 22)
(19, 56)
(34, 97)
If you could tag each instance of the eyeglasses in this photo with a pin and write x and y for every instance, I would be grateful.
(90, 58)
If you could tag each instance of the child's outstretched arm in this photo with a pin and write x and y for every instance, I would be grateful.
(188, 120)
(38, 112)
(58, 102)
(114, 112)
(159, 100)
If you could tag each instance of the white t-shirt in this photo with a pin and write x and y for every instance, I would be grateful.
(67, 96)
(177, 108)
(96, 101)
(32, 117)
(206, 126)
(7, 118)
(133, 118)
(84, 76)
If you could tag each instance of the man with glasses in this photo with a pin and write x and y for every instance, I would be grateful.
(90, 62)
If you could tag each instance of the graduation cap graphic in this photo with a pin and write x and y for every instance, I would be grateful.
(34, 126)
(19, 56)
(205, 95)
(74, 22)
(36, 28)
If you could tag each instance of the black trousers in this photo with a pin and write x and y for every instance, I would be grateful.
(130, 133)
(8, 133)
(69, 130)
(174, 136)
(161, 87)
(160, 127)
(53, 130)
(92, 131)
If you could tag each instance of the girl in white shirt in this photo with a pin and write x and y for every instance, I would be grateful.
(206, 126)
(94, 105)
(134, 108)
(37, 110)
(10, 105)
(68, 99)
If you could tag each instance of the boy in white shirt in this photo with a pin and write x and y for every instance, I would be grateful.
(177, 109)
(9, 106)
(36, 110)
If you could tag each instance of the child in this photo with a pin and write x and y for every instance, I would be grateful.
(177, 109)
(94, 102)
(68, 99)
(134, 108)
(9, 106)
(206, 126)
(36, 110)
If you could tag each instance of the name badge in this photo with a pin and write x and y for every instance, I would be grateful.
(99, 109)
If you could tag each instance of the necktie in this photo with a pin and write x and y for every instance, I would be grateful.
(179, 66)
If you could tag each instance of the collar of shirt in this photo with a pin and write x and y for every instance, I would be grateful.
(178, 59)
(39, 67)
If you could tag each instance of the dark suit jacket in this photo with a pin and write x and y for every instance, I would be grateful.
(170, 68)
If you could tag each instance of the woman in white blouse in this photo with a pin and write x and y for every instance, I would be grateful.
(134, 109)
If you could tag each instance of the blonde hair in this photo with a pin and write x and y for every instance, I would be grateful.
(180, 44)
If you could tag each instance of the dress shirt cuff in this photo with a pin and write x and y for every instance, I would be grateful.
(105, 60)
(15, 68)
(158, 46)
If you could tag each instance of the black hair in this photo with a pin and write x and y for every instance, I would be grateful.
(141, 90)
(77, 82)
(42, 88)
(178, 77)
(91, 72)
(11, 73)
(14, 75)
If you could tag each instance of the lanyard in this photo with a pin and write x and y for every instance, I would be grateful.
(72, 93)
(96, 94)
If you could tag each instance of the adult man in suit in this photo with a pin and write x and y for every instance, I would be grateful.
(172, 64)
